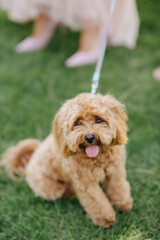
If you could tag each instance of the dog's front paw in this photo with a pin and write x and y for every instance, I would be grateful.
(126, 206)
(105, 222)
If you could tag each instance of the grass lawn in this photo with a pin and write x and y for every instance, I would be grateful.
(32, 88)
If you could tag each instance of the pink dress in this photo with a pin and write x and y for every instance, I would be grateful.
(80, 14)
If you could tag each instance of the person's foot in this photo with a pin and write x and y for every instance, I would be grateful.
(156, 73)
(81, 58)
(31, 44)
(90, 44)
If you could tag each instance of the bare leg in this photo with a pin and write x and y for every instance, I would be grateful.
(89, 39)
(42, 32)
(89, 45)
(40, 25)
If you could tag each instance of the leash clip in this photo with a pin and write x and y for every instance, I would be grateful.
(95, 82)
(94, 87)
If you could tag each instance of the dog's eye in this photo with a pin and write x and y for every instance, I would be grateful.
(98, 121)
(77, 123)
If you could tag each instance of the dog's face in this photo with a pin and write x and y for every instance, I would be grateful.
(88, 124)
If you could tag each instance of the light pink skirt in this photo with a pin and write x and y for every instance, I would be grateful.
(80, 14)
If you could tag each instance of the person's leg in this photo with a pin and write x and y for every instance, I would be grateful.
(42, 32)
(89, 39)
(89, 45)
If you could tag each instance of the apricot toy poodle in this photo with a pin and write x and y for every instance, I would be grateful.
(85, 148)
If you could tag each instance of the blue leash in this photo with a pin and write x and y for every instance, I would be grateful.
(97, 73)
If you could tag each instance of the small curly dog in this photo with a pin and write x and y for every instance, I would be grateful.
(85, 148)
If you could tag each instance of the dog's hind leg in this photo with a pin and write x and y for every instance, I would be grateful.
(46, 187)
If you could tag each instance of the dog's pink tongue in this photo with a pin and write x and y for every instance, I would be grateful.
(92, 151)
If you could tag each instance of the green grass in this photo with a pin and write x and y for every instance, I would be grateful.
(32, 88)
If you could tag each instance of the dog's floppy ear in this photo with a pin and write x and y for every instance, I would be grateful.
(58, 134)
(120, 119)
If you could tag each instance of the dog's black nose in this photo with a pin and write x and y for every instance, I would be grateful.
(90, 138)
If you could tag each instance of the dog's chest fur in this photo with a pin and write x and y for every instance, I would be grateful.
(78, 168)
(92, 169)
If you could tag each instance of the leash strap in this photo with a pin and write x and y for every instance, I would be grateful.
(97, 73)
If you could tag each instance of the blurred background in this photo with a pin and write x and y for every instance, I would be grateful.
(36, 82)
